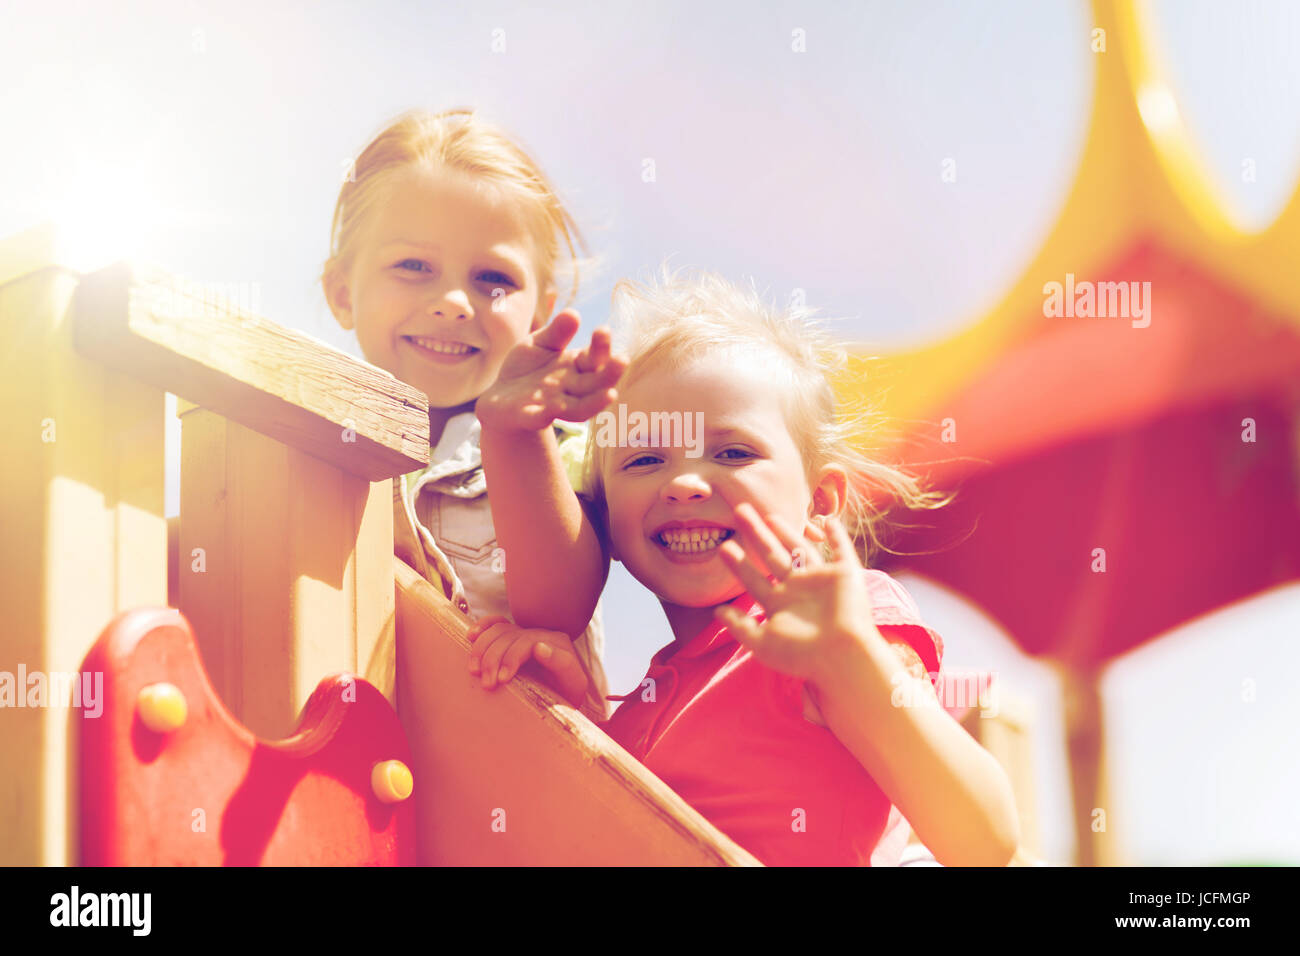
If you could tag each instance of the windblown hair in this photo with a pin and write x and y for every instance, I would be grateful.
(675, 321)
(459, 140)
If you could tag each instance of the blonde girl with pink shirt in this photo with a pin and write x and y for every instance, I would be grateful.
(795, 707)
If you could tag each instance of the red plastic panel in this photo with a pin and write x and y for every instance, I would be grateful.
(210, 793)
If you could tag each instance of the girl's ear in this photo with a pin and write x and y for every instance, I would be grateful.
(338, 295)
(830, 493)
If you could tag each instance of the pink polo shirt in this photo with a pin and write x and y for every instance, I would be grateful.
(728, 734)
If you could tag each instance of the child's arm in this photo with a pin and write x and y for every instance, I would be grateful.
(952, 791)
(555, 564)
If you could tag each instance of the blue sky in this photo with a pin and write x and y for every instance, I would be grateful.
(211, 138)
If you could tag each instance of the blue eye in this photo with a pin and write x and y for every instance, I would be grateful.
(744, 454)
(492, 277)
(418, 264)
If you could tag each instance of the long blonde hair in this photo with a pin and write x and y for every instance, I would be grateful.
(460, 140)
(683, 316)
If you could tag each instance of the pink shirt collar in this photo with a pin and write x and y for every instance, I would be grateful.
(711, 637)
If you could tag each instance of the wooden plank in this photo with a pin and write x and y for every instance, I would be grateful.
(1096, 843)
(517, 757)
(173, 558)
(271, 379)
(1009, 737)
(207, 579)
(285, 568)
(81, 500)
(370, 577)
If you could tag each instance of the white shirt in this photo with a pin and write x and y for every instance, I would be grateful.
(442, 527)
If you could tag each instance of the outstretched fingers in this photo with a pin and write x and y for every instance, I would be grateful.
(741, 626)
(761, 542)
(751, 578)
(572, 409)
(842, 549)
(557, 333)
(578, 383)
(802, 553)
(583, 394)
(597, 353)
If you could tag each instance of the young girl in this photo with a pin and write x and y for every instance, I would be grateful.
(795, 707)
(445, 248)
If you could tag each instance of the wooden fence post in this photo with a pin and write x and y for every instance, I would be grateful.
(81, 495)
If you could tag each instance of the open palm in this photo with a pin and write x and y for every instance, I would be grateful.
(811, 606)
(540, 381)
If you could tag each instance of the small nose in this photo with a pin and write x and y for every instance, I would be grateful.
(452, 303)
(687, 486)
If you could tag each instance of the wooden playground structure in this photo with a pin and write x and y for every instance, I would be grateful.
(233, 711)
(281, 562)
(282, 565)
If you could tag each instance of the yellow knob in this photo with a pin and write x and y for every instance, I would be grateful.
(162, 707)
(391, 781)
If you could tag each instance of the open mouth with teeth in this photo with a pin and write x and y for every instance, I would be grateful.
(440, 346)
(692, 540)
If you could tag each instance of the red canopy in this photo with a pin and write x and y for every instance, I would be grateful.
(1093, 434)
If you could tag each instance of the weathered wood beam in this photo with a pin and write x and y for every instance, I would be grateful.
(273, 380)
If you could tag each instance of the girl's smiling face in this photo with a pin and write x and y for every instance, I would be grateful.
(442, 284)
(657, 495)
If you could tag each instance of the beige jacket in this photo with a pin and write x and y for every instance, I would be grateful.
(442, 527)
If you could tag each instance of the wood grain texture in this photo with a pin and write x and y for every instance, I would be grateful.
(81, 505)
(273, 380)
(284, 568)
(566, 794)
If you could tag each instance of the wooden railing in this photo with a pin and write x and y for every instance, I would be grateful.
(281, 560)
(516, 777)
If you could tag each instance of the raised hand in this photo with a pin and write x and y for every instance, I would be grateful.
(815, 609)
(541, 381)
